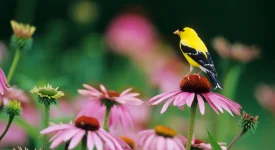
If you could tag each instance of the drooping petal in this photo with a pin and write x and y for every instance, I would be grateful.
(164, 98)
(166, 105)
(103, 89)
(190, 99)
(69, 133)
(126, 91)
(210, 103)
(222, 104)
(181, 97)
(179, 143)
(90, 141)
(91, 88)
(116, 143)
(55, 128)
(107, 141)
(159, 96)
(76, 139)
(201, 104)
(97, 141)
(148, 142)
(161, 143)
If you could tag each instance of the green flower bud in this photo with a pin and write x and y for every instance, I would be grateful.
(13, 108)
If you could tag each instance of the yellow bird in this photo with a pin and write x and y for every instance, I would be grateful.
(196, 53)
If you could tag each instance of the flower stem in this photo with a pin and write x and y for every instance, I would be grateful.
(14, 64)
(236, 138)
(46, 123)
(84, 142)
(106, 118)
(67, 145)
(191, 124)
(8, 126)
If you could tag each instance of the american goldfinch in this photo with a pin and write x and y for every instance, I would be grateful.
(197, 54)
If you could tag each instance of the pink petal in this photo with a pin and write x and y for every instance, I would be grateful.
(215, 102)
(76, 139)
(201, 104)
(103, 89)
(159, 96)
(169, 144)
(179, 143)
(97, 141)
(107, 141)
(223, 104)
(55, 136)
(190, 99)
(182, 138)
(91, 88)
(130, 95)
(148, 141)
(117, 145)
(57, 141)
(181, 99)
(84, 92)
(164, 98)
(126, 91)
(90, 141)
(161, 143)
(166, 105)
(210, 103)
(181, 107)
(131, 101)
(69, 133)
(55, 128)
(232, 106)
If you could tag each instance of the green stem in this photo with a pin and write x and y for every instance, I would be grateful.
(47, 114)
(236, 138)
(14, 64)
(84, 142)
(106, 118)
(67, 145)
(8, 126)
(191, 124)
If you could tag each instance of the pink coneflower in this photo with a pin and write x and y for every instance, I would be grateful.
(265, 95)
(199, 144)
(15, 93)
(161, 138)
(84, 128)
(3, 83)
(113, 101)
(196, 88)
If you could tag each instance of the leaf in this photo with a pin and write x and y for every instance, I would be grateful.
(214, 144)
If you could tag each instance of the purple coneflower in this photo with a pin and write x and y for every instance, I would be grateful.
(111, 104)
(85, 129)
(196, 88)
(161, 138)
(200, 145)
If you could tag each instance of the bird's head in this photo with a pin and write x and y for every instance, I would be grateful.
(186, 33)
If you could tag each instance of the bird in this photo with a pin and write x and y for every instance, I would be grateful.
(197, 55)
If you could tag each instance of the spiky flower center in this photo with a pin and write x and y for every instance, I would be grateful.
(48, 91)
(195, 84)
(113, 93)
(87, 123)
(165, 131)
(249, 122)
(129, 141)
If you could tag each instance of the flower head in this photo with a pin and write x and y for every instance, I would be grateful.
(14, 93)
(13, 108)
(160, 138)
(22, 30)
(237, 51)
(196, 89)
(200, 145)
(107, 99)
(3, 83)
(47, 94)
(265, 95)
(248, 122)
(22, 35)
(75, 132)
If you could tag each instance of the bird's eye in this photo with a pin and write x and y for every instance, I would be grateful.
(181, 29)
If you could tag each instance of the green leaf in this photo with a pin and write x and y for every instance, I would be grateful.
(214, 144)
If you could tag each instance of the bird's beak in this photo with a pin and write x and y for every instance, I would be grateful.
(177, 32)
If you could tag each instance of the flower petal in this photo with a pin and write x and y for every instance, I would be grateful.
(210, 103)
(164, 98)
(126, 91)
(90, 141)
(76, 139)
(161, 143)
(159, 96)
(190, 99)
(55, 128)
(97, 141)
(201, 104)
(166, 105)
(148, 141)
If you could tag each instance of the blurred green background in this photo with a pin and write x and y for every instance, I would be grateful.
(70, 48)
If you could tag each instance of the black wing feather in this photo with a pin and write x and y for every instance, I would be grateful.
(199, 57)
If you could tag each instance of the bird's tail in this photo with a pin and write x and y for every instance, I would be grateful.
(214, 80)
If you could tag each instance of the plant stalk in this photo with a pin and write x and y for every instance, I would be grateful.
(46, 124)
(14, 65)
(236, 138)
(191, 124)
(7, 127)
(108, 109)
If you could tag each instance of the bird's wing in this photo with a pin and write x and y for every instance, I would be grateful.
(199, 57)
